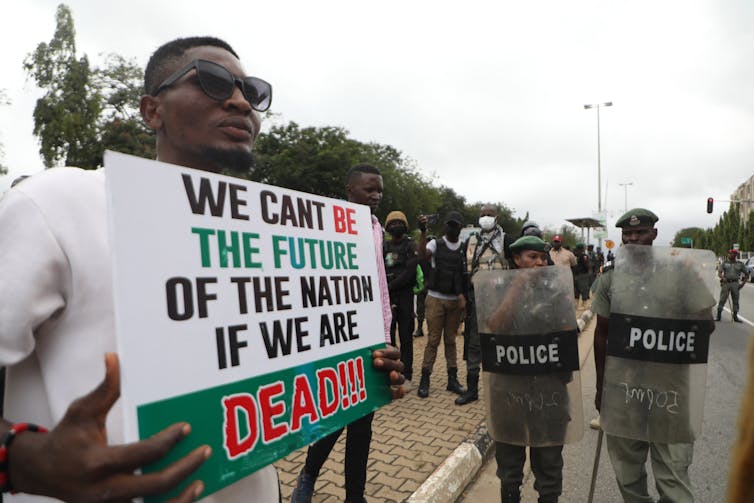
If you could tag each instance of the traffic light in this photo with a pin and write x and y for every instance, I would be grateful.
(710, 201)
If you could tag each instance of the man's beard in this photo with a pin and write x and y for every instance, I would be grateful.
(229, 160)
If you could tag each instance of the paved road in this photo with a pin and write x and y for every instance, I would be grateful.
(727, 375)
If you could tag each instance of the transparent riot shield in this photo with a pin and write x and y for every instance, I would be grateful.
(658, 339)
(530, 355)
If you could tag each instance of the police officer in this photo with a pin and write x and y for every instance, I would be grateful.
(544, 438)
(628, 454)
(733, 276)
(399, 253)
(486, 250)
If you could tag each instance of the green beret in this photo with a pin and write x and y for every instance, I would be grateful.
(579, 245)
(529, 243)
(636, 217)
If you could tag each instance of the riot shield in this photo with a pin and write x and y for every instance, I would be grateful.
(658, 339)
(530, 355)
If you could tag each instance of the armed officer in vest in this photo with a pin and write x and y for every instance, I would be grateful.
(446, 297)
(399, 253)
(486, 250)
(733, 276)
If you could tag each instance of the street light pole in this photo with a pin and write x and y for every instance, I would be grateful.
(599, 170)
(625, 195)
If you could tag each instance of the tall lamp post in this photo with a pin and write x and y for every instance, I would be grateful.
(599, 171)
(625, 195)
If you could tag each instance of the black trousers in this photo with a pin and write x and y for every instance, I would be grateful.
(358, 438)
(546, 464)
(403, 316)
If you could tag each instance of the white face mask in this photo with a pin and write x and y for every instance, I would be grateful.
(487, 223)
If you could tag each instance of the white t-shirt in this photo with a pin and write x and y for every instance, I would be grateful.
(56, 313)
(432, 248)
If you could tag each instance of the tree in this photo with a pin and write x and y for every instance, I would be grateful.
(316, 160)
(85, 110)
(696, 234)
(120, 127)
(65, 118)
(567, 232)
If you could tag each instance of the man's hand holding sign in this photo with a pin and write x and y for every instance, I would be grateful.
(59, 320)
(258, 302)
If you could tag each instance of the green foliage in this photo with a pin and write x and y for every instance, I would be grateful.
(65, 118)
(569, 234)
(696, 234)
(83, 107)
(730, 229)
(316, 160)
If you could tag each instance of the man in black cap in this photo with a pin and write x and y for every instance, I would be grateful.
(733, 276)
(446, 297)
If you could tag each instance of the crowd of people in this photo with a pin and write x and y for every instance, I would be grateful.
(57, 320)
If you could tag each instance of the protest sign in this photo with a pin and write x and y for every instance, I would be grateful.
(247, 310)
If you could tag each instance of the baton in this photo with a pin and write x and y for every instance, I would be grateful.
(596, 466)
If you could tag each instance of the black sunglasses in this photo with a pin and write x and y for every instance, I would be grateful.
(218, 83)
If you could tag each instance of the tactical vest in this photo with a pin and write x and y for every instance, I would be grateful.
(396, 256)
(447, 274)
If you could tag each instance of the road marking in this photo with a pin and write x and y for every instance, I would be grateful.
(751, 324)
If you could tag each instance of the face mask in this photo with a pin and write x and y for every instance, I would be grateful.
(452, 233)
(396, 230)
(487, 223)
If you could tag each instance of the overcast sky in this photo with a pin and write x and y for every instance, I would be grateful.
(486, 97)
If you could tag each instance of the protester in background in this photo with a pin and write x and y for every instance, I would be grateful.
(581, 276)
(487, 250)
(560, 255)
(363, 186)
(446, 298)
(399, 253)
(421, 293)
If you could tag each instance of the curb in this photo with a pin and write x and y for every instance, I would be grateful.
(450, 479)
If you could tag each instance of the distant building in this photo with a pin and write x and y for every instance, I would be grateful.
(745, 194)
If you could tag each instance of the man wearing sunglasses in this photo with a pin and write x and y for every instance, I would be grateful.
(56, 320)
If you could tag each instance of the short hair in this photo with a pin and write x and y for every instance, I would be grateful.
(493, 207)
(161, 64)
(361, 169)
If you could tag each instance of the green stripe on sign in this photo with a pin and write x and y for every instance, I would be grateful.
(252, 423)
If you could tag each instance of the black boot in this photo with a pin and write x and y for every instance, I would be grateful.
(510, 495)
(423, 390)
(735, 317)
(548, 499)
(419, 330)
(472, 394)
(719, 316)
(453, 384)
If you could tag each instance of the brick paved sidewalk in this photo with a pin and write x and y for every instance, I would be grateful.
(411, 438)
